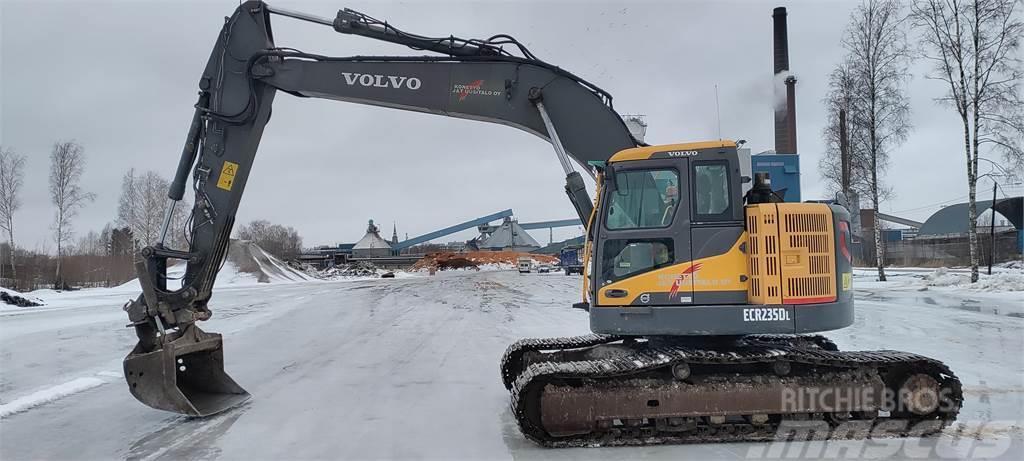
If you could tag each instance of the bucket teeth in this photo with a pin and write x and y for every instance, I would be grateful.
(184, 375)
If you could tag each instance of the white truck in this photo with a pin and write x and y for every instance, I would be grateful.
(524, 264)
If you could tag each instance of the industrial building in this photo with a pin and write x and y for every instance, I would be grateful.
(509, 234)
(372, 245)
(943, 237)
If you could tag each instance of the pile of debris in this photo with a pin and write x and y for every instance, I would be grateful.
(15, 299)
(304, 268)
(356, 269)
(477, 260)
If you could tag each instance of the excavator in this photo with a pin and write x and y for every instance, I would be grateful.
(703, 299)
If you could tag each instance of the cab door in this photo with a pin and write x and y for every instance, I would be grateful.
(643, 226)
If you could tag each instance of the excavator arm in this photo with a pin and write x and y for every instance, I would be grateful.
(178, 367)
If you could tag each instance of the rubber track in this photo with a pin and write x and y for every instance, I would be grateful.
(511, 361)
(532, 380)
(818, 341)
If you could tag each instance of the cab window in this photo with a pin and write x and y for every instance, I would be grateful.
(643, 199)
(711, 190)
(622, 258)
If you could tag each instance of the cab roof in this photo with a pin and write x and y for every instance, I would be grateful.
(644, 153)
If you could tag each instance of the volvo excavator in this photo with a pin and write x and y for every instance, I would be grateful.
(703, 300)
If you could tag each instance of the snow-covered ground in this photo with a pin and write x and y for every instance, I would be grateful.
(407, 368)
(1001, 293)
(1006, 278)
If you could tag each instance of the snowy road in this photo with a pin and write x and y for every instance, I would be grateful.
(405, 368)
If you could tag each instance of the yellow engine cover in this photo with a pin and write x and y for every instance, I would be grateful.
(791, 250)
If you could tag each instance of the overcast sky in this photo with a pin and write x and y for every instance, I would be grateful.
(120, 78)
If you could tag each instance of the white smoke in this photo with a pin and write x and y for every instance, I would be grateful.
(779, 88)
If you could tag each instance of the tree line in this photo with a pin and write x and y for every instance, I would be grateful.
(973, 48)
(104, 257)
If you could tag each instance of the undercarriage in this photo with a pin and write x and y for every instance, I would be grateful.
(603, 390)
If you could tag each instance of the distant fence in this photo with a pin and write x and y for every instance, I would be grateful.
(944, 251)
(78, 271)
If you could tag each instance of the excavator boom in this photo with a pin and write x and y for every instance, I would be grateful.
(178, 367)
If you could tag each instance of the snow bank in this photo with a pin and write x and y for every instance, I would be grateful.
(942, 277)
(49, 395)
(1007, 277)
(1016, 264)
(498, 266)
(997, 282)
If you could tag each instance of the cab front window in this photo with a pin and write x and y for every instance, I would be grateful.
(643, 199)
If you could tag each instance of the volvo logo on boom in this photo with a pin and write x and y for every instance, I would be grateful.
(382, 81)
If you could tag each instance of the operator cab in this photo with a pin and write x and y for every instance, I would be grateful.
(676, 252)
(655, 201)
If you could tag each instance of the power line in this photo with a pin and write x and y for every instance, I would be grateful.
(944, 202)
(1002, 188)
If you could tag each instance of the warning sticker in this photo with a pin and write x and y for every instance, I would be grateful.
(847, 281)
(227, 175)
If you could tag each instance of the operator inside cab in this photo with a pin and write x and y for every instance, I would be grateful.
(642, 199)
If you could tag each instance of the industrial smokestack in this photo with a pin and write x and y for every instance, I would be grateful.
(781, 42)
(785, 87)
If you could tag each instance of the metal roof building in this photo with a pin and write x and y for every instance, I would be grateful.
(509, 236)
(953, 218)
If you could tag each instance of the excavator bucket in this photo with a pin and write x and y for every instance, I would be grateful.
(185, 375)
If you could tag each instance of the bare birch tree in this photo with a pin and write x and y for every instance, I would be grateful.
(878, 56)
(142, 206)
(283, 242)
(67, 162)
(127, 202)
(12, 172)
(90, 244)
(842, 97)
(974, 47)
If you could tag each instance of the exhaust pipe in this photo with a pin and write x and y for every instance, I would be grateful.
(183, 374)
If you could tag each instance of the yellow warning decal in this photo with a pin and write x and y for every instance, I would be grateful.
(227, 175)
(847, 281)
